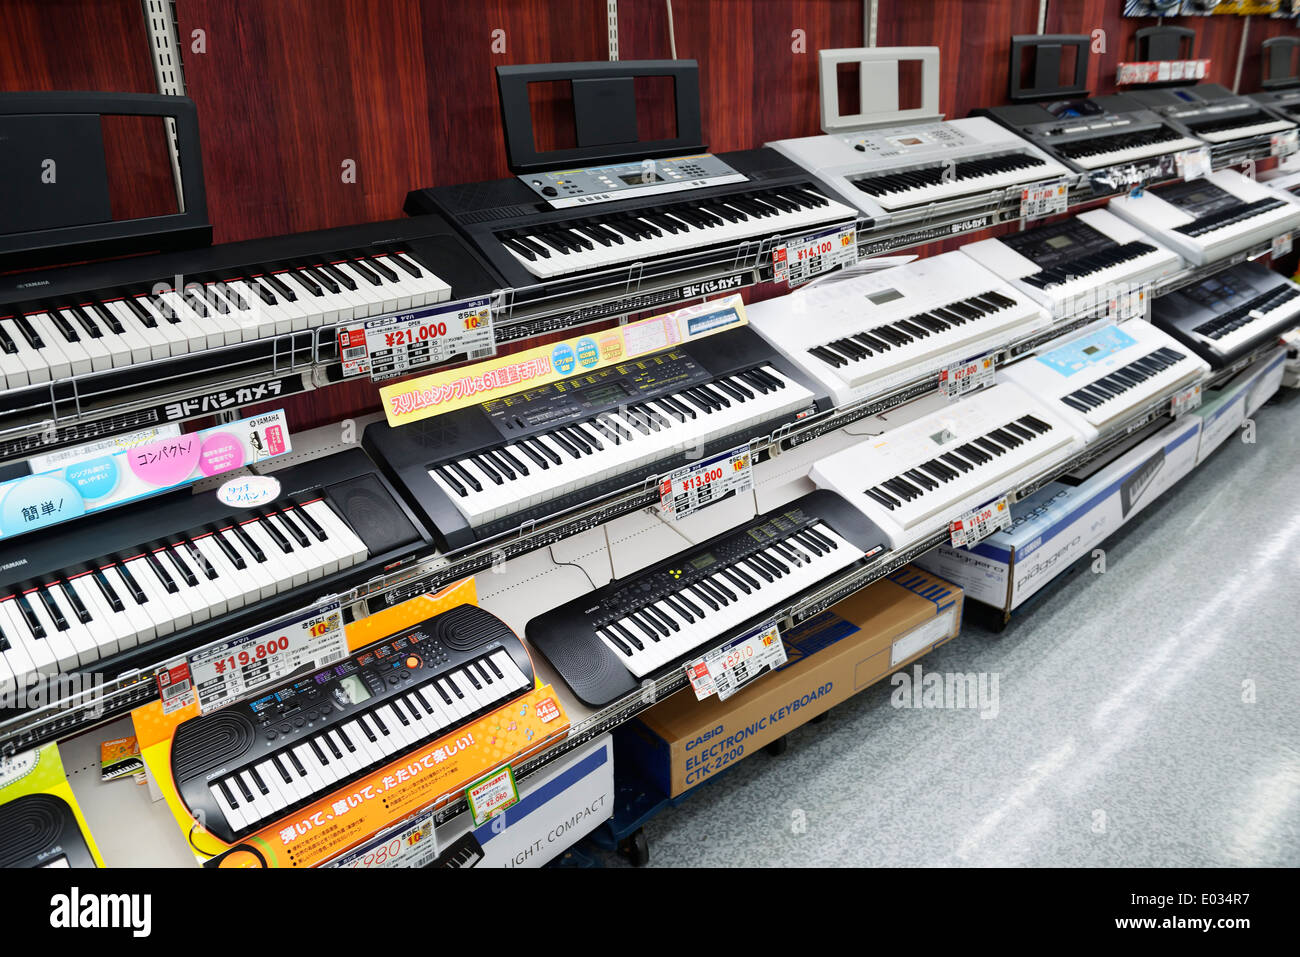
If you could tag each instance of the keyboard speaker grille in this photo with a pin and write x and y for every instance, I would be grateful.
(209, 742)
(467, 627)
(372, 514)
(29, 825)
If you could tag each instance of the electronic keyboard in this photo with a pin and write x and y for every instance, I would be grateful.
(40, 830)
(240, 769)
(132, 586)
(603, 642)
(889, 170)
(1213, 114)
(1101, 378)
(588, 226)
(464, 852)
(1281, 103)
(1229, 314)
(1207, 219)
(860, 336)
(1092, 134)
(1073, 266)
(913, 480)
(1283, 183)
(205, 307)
(483, 469)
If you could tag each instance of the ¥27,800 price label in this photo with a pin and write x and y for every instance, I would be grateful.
(799, 261)
(726, 670)
(692, 487)
(395, 345)
(963, 377)
(231, 669)
(980, 524)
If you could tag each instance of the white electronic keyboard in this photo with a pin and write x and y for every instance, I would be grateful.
(861, 336)
(1284, 183)
(888, 161)
(1103, 377)
(1076, 265)
(1207, 219)
(913, 480)
(1230, 313)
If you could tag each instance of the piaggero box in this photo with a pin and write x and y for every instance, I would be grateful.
(1062, 522)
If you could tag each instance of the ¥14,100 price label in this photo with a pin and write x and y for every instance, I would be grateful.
(395, 345)
(692, 487)
(980, 524)
(231, 669)
(799, 261)
(726, 670)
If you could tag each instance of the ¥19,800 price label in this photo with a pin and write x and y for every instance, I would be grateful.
(231, 669)
(726, 670)
(799, 261)
(395, 345)
(692, 487)
(980, 524)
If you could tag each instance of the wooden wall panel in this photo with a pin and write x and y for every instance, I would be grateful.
(287, 90)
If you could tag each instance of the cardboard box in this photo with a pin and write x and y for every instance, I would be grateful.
(1267, 380)
(1226, 408)
(558, 806)
(681, 743)
(1061, 523)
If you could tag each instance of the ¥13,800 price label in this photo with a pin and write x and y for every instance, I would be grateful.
(230, 669)
(395, 345)
(726, 670)
(799, 261)
(692, 487)
(980, 524)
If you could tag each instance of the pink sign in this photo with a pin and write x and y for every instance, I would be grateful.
(222, 452)
(166, 463)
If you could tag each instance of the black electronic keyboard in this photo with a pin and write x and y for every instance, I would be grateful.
(464, 852)
(669, 225)
(1214, 114)
(240, 769)
(113, 323)
(484, 469)
(603, 642)
(1091, 135)
(133, 586)
(40, 830)
(1231, 313)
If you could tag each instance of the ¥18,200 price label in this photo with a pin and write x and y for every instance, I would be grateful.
(980, 524)
(799, 261)
(692, 487)
(395, 345)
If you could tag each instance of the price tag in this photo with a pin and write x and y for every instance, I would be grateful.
(1039, 201)
(980, 524)
(492, 794)
(1126, 302)
(1194, 164)
(797, 262)
(175, 687)
(726, 670)
(1291, 337)
(231, 669)
(1284, 143)
(395, 345)
(692, 487)
(962, 377)
(415, 845)
(1281, 245)
(1185, 401)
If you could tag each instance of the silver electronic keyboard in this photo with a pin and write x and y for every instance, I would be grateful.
(1103, 377)
(889, 162)
(861, 336)
(1285, 183)
(913, 480)
(1213, 113)
(1076, 266)
(1226, 315)
(1207, 219)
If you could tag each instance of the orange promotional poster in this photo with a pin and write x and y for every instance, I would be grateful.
(333, 820)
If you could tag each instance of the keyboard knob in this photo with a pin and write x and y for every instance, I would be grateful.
(550, 191)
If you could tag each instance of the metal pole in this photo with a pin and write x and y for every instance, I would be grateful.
(1241, 55)
(611, 19)
(870, 21)
(164, 52)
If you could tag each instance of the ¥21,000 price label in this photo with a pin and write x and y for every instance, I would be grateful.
(231, 669)
(692, 487)
(395, 345)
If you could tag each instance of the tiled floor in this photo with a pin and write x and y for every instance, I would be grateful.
(1148, 715)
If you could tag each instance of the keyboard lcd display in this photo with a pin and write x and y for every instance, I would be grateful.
(884, 296)
(355, 689)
